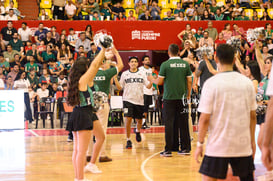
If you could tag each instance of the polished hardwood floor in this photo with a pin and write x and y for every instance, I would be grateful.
(45, 155)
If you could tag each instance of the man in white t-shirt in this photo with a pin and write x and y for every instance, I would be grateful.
(25, 33)
(148, 93)
(11, 16)
(43, 91)
(70, 10)
(228, 111)
(132, 82)
(267, 149)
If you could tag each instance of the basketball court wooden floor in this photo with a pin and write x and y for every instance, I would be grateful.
(45, 155)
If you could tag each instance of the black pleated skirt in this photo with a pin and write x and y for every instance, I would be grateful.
(81, 119)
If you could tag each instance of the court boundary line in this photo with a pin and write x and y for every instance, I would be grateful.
(32, 132)
(143, 171)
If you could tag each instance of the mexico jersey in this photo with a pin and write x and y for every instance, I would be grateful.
(132, 84)
(147, 72)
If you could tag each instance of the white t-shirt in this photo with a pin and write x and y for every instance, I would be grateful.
(24, 33)
(132, 84)
(147, 72)
(22, 84)
(72, 37)
(2, 85)
(228, 97)
(269, 90)
(12, 18)
(70, 9)
(42, 93)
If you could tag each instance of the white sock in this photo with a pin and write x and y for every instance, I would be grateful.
(137, 130)
(143, 121)
(128, 139)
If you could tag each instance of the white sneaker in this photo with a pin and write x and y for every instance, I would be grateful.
(92, 168)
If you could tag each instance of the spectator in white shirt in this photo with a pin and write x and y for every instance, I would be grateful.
(16, 11)
(72, 37)
(43, 91)
(21, 83)
(25, 33)
(11, 16)
(2, 9)
(70, 10)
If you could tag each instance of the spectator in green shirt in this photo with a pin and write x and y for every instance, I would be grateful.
(243, 17)
(106, 11)
(33, 79)
(31, 64)
(169, 17)
(4, 63)
(213, 7)
(93, 6)
(219, 16)
(33, 52)
(178, 9)
(16, 43)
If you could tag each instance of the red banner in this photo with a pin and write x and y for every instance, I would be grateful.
(138, 35)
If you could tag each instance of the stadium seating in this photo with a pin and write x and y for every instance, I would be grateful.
(164, 4)
(260, 12)
(164, 13)
(128, 4)
(46, 4)
(270, 13)
(48, 12)
(6, 4)
(249, 12)
(220, 2)
(173, 4)
(252, 2)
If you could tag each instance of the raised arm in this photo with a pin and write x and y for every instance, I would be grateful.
(119, 60)
(259, 58)
(210, 67)
(92, 70)
(180, 35)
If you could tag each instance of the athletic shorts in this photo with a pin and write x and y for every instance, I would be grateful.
(216, 167)
(148, 100)
(132, 110)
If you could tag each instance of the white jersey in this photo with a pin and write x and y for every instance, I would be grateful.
(228, 97)
(147, 72)
(132, 84)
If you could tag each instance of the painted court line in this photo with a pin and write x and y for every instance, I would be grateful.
(143, 171)
(35, 134)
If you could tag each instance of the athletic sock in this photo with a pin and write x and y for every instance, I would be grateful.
(128, 139)
(137, 130)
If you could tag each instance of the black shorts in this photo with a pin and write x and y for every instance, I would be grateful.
(216, 167)
(260, 119)
(148, 100)
(132, 110)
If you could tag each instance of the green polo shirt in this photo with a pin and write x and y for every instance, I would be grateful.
(16, 46)
(28, 66)
(169, 19)
(103, 78)
(175, 72)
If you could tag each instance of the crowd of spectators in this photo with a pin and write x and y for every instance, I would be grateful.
(9, 12)
(193, 10)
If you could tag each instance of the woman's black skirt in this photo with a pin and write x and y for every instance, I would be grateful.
(81, 119)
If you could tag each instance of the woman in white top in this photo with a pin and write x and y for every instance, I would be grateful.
(21, 83)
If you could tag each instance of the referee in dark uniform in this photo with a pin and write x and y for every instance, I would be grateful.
(176, 76)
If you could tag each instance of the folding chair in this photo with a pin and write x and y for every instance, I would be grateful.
(47, 107)
(116, 108)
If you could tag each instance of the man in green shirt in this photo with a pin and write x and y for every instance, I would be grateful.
(31, 64)
(212, 31)
(93, 6)
(176, 76)
(102, 80)
(169, 17)
(242, 17)
(16, 43)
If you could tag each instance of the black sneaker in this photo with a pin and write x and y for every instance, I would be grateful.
(129, 144)
(138, 137)
(166, 153)
(144, 126)
(184, 152)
